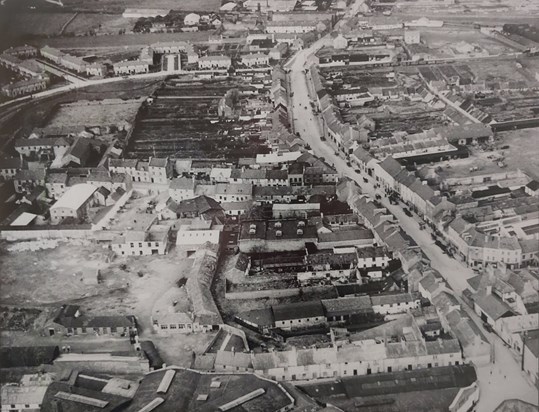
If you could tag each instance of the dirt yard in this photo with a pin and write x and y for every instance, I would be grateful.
(129, 285)
(523, 150)
(460, 43)
(92, 113)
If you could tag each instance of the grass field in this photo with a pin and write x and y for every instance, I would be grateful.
(120, 5)
(101, 24)
(44, 24)
(135, 40)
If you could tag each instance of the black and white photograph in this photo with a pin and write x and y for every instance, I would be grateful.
(269, 205)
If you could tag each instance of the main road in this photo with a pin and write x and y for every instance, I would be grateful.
(498, 381)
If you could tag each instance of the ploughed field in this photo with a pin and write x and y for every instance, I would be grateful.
(183, 122)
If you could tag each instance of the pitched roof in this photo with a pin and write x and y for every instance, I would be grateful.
(493, 306)
(300, 310)
(200, 205)
(26, 356)
(347, 305)
(391, 166)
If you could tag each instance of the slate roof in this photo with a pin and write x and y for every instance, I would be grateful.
(27, 356)
(347, 305)
(494, 307)
(300, 310)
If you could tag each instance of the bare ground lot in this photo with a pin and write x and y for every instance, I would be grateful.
(522, 153)
(503, 70)
(44, 280)
(460, 42)
(109, 112)
(100, 24)
(523, 150)
(34, 279)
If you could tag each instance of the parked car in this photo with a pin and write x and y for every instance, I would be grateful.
(366, 180)
(487, 327)
(407, 211)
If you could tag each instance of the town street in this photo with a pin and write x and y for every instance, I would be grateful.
(506, 380)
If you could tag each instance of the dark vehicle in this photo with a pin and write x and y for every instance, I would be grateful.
(357, 171)
(322, 138)
(366, 180)
(440, 245)
(297, 134)
(407, 212)
(504, 147)
(487, 327)
(348, 164)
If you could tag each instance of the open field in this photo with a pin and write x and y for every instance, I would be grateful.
(110, 6)
(460, 42)
(33, 23)
(36, 112)
(138, 39)
(120, 5)
(33, 279)
(522, 153)
(99, 113)
(523, 150)
(100, 24)
(503, 71)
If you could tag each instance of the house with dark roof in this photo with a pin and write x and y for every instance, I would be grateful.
(79, 152)
(530, 356)
(449, 388)
(27, 356)
(532, 188)
(386, 171)
(9, 166)
(491, 308)
(27, 179)
(68, 320)
(299, 315)
(346, 308)
(199, 206)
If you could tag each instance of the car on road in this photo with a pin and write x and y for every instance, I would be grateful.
(357, 171)
(407, 211)
(487, 327)
(322, 138)
(366, 180)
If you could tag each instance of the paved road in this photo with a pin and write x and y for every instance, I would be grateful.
(507, 381)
